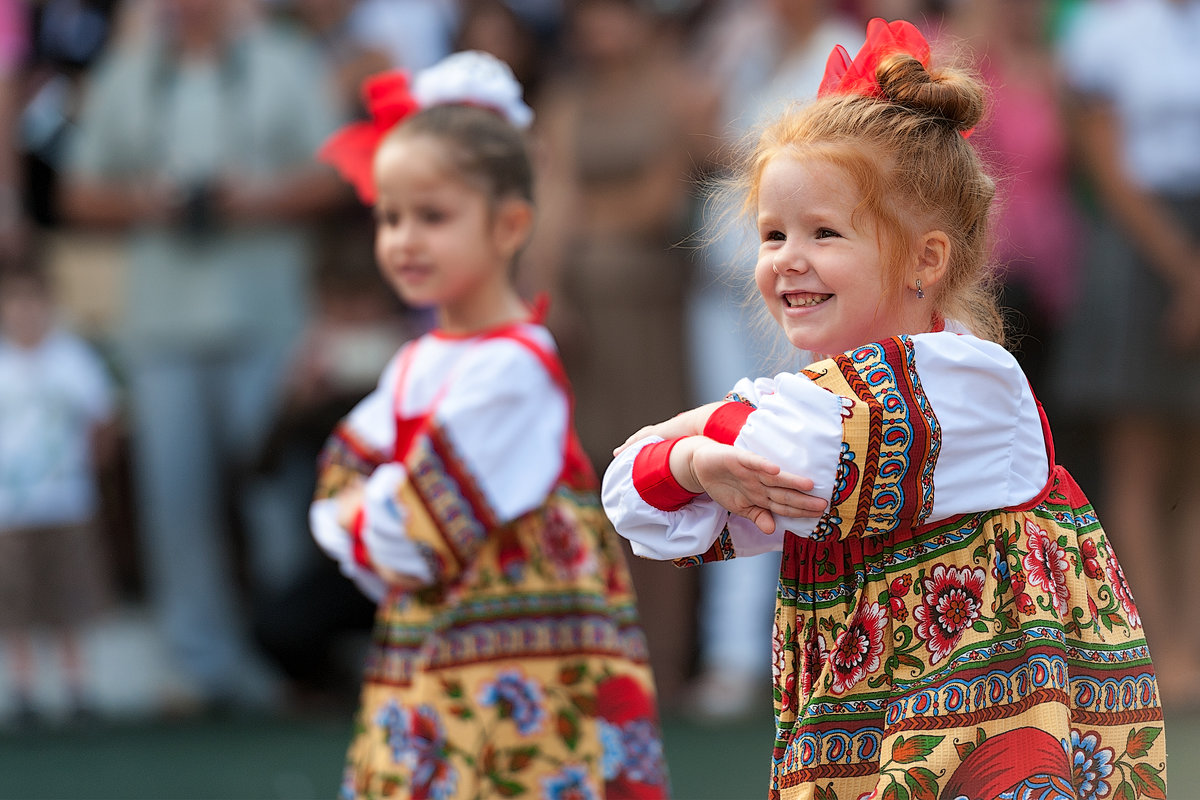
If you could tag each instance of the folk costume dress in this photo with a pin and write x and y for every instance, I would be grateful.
(519, 668)
(956, 625)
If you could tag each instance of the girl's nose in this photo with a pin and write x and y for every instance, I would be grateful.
(403, 236)
(788, 261)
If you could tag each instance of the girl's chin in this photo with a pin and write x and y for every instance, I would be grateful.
(818, 349)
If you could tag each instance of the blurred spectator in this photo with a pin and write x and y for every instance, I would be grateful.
(14, 44)
(1025, 138)
(623, 126)
(762, 55)
(65, 37)
(195, 138)
(351, 56)
(415, 33)
(495, 27)
(57, 425)
(1131, 353)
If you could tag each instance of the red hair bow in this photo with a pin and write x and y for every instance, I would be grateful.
(351, 150)
(857, 76)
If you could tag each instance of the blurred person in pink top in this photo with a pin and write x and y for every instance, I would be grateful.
(1027, 142)
(14, 38)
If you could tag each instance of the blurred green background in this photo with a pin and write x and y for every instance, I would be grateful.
(253, 758)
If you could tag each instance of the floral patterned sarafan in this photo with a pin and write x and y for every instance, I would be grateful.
(991, 655)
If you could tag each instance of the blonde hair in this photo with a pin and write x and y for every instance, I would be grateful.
(917, 172)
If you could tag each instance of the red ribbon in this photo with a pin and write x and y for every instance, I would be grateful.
(351, 150)
(844, 75)
(857, 76)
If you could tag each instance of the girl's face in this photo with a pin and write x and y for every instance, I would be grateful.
(436, 241)
(821, 269)
(26, 315)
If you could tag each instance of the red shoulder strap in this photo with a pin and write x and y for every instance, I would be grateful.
(578, 472)
(406, 427)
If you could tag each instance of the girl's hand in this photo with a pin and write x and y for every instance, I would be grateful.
(686, 423)
(349, 502)
(398, 580)
(743, 483)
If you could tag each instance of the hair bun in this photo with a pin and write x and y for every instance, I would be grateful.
(949, 95)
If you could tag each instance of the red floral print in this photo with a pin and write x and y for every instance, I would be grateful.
(952, 601)
(857, 649)
(1046, 565)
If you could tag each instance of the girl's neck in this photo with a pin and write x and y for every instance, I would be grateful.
(508, 309)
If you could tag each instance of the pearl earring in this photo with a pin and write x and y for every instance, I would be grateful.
(920, 291)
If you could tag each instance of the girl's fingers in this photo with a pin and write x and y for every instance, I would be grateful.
(793, 503)
(771, 476)
(762, 518)
(788, 481)
(757, 463)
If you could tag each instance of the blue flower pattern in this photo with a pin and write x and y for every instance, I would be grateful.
(634, 750)
(1091, 765)
(569, 784)
(520, 698)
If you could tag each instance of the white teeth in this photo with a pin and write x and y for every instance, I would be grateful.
(795, 301)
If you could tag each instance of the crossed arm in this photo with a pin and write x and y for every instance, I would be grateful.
(740, 481)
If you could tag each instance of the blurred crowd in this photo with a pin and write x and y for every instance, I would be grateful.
(188, 300)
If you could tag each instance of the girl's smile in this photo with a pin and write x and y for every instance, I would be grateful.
(804, 299)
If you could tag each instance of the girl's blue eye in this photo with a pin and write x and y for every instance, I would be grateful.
(826, 233)
(775, 236)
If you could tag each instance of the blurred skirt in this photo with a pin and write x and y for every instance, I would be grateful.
(52, 576)
(1114, 354)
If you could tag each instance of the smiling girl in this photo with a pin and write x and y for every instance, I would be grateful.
(952, 622)
(507, 658)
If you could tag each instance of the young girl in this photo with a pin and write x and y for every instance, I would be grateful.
(507, 658)
(955, 624)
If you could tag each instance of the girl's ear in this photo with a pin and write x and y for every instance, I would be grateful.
(512, 225)
(933, 258)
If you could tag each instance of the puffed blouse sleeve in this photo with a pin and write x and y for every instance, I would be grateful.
(358, 446)
(863, 427)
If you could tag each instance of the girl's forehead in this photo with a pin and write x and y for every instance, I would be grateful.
(796, 176)
(416, 160)
(822, 162)
(420, 148)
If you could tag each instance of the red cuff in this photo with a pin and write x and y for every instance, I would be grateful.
(358, 547)
(726, 422)
(653, 479)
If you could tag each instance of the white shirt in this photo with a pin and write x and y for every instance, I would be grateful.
(51, 396)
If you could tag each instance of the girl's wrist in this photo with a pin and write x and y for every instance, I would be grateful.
(681, 463)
